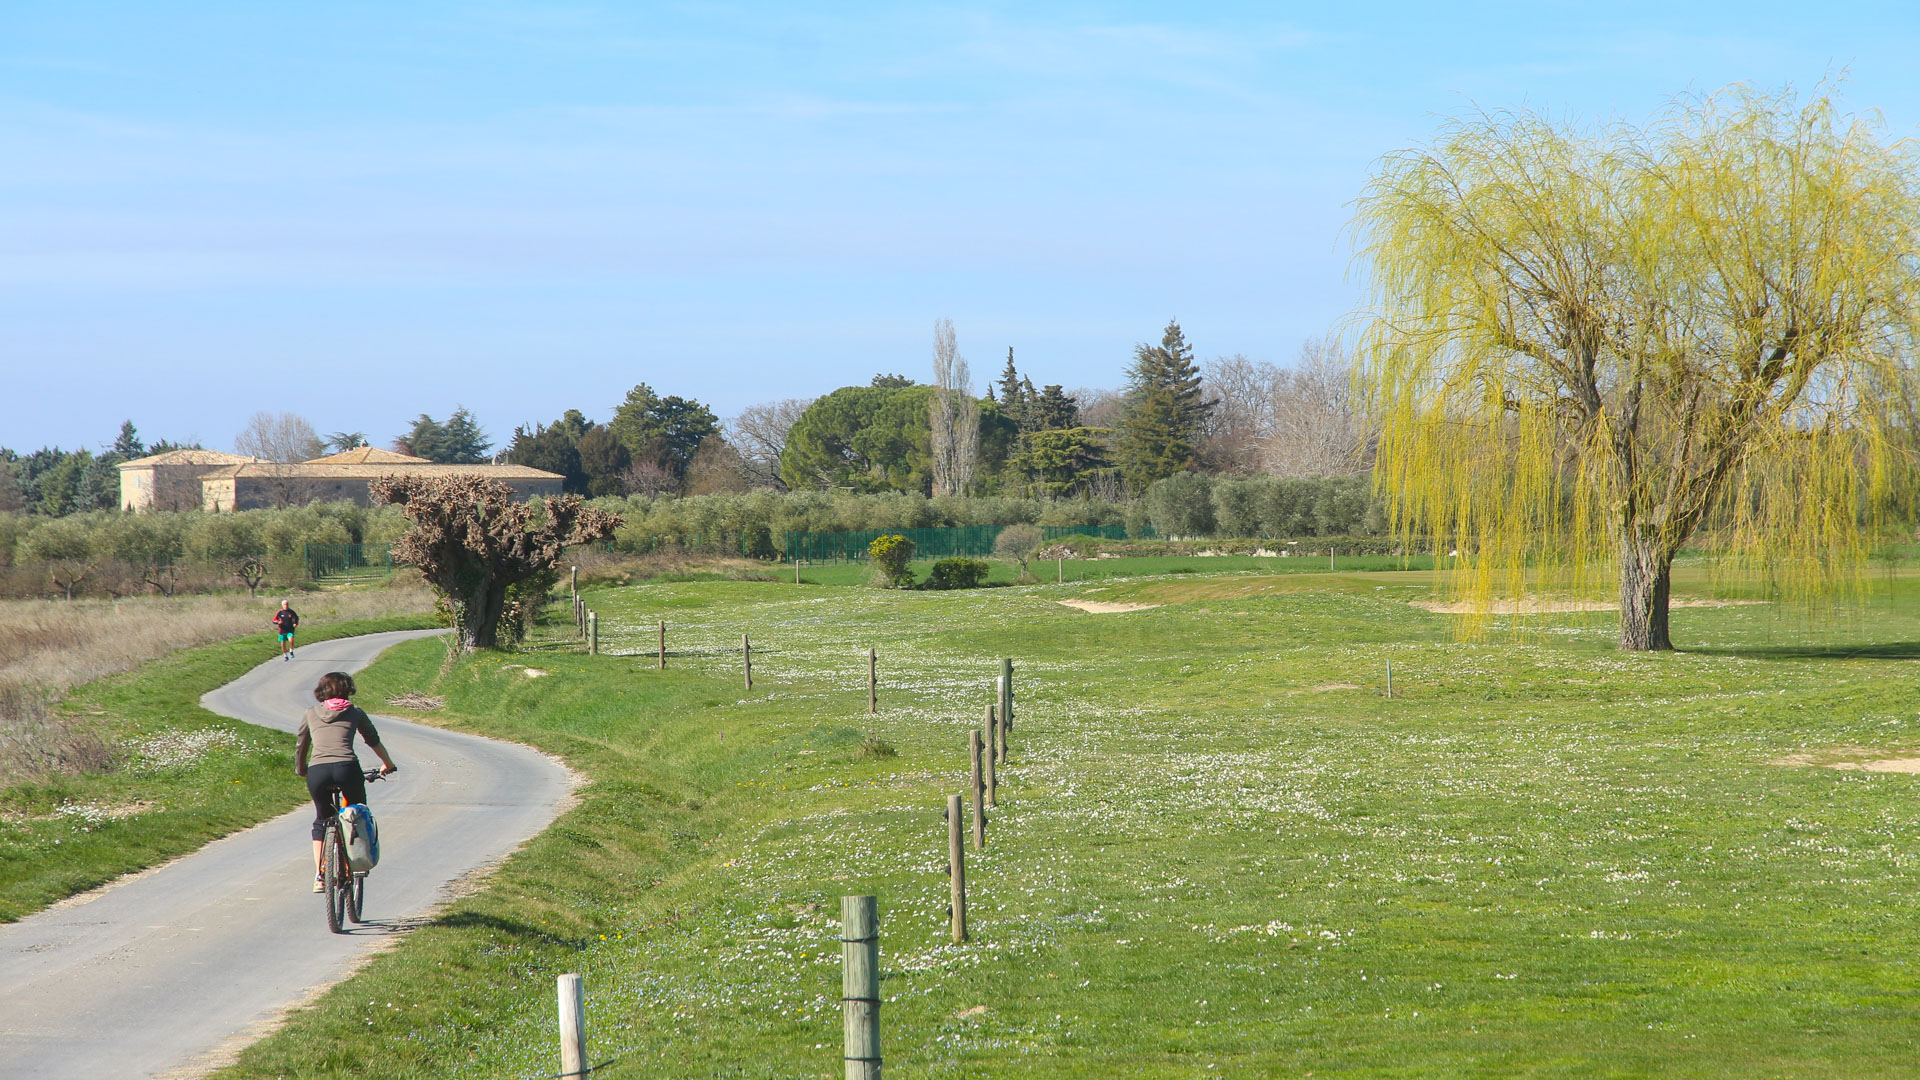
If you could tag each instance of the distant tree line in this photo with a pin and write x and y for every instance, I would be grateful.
(107, 553)
(1173, 416)
(52, 482)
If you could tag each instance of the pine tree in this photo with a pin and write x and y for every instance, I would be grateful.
(1166, 413)
(1009, 383)
(128, 445)
(465, 441)
(1055, 410)
(1015, 396)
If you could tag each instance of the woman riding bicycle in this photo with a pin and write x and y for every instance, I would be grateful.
(323, 753)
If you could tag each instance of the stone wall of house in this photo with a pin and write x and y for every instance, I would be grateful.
(265, 492)
(165, 487)
(217, 488)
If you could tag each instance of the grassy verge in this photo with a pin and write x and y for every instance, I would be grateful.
(187, 776)
(1220, 851)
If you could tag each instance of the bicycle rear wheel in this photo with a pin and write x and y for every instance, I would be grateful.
(337, 878)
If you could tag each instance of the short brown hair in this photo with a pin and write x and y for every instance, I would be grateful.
(332, 685)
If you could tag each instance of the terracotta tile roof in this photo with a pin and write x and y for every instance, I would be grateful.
(367, 455)
(321, 471)
(189, 457)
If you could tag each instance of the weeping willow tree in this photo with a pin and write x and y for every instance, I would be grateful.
(1588, 343)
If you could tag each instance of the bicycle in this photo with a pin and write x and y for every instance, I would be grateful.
(345, 889)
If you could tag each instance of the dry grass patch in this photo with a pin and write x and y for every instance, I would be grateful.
(53, 645)
(417, 701)
(47, 647)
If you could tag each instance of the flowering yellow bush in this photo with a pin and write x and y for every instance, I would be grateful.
(891, 556)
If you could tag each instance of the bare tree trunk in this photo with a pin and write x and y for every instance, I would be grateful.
(480, 622)
(1646, 586)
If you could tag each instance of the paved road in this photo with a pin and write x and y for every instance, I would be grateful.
(163, 973)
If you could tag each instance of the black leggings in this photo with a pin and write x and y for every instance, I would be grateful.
(321, 782)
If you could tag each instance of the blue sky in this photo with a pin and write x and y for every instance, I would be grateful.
(360, 212)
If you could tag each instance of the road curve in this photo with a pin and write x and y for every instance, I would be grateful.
(169, 972)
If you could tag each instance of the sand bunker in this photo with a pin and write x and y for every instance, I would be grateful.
(1105, 607)
(1534, 605)
(1825, 760)
(1902, 765)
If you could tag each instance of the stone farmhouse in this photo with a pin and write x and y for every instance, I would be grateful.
(211, 480)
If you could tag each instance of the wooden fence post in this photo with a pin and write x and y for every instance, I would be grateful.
(663, 645)
(796, 571)
(746, 658)
(573, 1025)
(873, 683)
(979, 793)
(999, 723)
(993, 754)
(1006, 695)
(573, 580)
(1060, 565)
(860, 986)
(956, 870)
(593, 633)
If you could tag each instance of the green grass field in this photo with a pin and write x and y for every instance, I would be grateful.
(1221, 850)
(1071, 570)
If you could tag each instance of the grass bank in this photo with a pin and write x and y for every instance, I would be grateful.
(1221, 850)
(177, 776)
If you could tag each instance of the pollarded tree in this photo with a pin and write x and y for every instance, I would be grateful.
(1589, 342)
(473, 541)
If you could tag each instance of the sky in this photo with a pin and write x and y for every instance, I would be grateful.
(363, 212)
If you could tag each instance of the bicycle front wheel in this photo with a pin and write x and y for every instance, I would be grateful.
(337, 878)
(356, 897)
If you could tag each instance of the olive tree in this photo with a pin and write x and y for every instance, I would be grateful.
(69, 550)
(1018, 542)
(1587, 342)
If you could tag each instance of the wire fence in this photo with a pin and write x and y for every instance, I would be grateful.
(974, 541)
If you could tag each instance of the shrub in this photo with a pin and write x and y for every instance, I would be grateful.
(891, 557)
(875, 748)
(957, 573)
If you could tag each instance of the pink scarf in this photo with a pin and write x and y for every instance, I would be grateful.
(337, 704)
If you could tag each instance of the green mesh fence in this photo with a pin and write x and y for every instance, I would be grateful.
(975, 541)
(348, 560)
